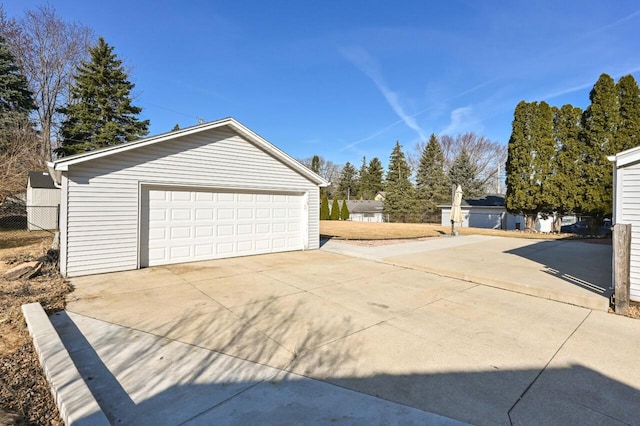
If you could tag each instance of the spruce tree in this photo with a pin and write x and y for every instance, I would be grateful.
(315, 164)
(348, 185)
(16, 101)
(99, 112)
(324, 209)
(628, 131)
(364, 190)
(335, 210)
(375, 175)
(464, 172)
(599, 124)
(400, 203)
(432, 184)
(344, 211)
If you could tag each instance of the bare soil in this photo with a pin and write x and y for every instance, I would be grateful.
(348, 230)
(25, 397)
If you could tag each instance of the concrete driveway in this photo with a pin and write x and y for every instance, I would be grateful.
(321, 337)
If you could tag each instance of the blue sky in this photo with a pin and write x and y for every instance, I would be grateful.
(344, 79)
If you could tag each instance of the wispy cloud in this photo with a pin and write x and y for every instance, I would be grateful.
(462, 120)
(368, 65)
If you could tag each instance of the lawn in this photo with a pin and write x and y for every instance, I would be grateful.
(348, 230)
(24, 392)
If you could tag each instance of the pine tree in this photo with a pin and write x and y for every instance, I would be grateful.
(348, 185)
(364, 192)
(100, 112)
(432, 184)
(628, 132)
(16, 101)
(400, 203)
(324, 209)
(599, 124)
(375, 174)
(315, 164)
(335, 210)
(464, 172)
(344, 211)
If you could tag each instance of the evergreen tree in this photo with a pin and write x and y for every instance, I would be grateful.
(99, 112)
(530, 163)
(400, 201)
(521, 186)
(628, 132)
(375, 174)
(315, 164)
(16, 101)
(335, 210)
(599, 124)
(344, 211)
(364, 193)
(348, 185)
(432, 184)
(324, 209)
(464, 172)
(564, 184)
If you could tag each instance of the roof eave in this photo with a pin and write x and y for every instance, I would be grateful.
(63, 164)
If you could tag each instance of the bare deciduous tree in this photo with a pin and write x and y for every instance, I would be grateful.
(48, 50)
(19, 156)
(489, 156)
(327, 170)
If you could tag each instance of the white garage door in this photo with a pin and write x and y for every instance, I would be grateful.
(187, 225)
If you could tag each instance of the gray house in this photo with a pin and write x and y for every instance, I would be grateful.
(365, 210)
(205, 192)
(490, 212)
(626, 206)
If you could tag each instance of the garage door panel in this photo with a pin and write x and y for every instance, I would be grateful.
(184, 225)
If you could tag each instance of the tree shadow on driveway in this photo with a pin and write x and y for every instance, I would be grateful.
(579, 263)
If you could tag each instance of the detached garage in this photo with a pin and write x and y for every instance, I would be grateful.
(210, 191)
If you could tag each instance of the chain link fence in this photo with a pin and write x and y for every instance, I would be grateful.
(15, 216)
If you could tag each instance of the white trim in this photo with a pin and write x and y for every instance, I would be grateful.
(625, 158)
(64, 163)
(64, 204)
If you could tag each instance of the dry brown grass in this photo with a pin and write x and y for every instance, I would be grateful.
(348, 230)
(24, 391)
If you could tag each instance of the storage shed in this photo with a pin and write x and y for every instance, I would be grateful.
(626, 206)
(43, 202)
(365, 210)
(210, 191)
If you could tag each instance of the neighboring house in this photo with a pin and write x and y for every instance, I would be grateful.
(365, 210)
(205, 192)
(43, 202)
(380, 196)
(490, 212)
(626, 206)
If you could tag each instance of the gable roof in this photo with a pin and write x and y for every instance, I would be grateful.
(625, 158)
(62, 164)
(490, 200)
(40, 180)
(364, 206)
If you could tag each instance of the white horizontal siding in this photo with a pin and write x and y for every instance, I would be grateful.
(630, 213)
(102, 198)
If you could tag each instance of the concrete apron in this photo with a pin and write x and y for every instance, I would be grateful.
(574, 272)
(209, 341)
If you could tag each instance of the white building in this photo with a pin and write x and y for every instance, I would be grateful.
(209, 191)
(43, 202)
(626, 206)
